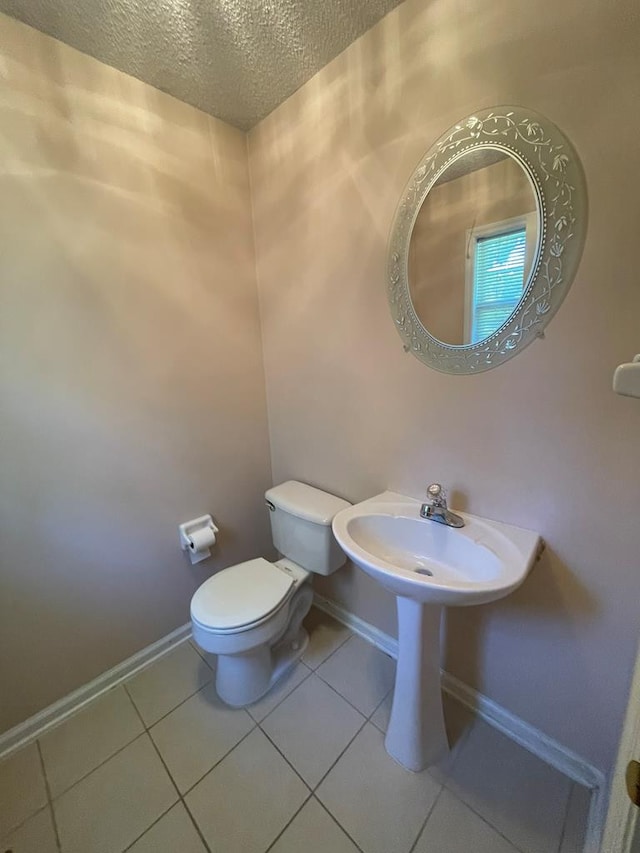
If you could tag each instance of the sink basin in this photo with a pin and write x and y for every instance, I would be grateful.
(430, 562)
(428, 565)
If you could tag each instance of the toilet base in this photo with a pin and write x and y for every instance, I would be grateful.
(244, 679)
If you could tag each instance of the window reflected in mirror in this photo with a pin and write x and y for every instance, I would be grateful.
(472, 247)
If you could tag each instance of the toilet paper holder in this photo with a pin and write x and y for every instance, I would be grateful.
(197, 537)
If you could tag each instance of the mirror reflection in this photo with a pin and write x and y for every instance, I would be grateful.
(472, 246)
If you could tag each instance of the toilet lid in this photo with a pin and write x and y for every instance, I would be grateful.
(240, 595)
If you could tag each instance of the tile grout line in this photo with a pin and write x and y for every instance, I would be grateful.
(286, 696)
(348, 701)
(426, 820)
(335, 689)
(371, 715)
(313, 797)
(97, 767)
(180, 797)
(324, 776)
(175, 708)
(299, 662)
(337, 649)
(484, 820)
(289, 822)
(49, 797)
(258, 724)
(338, 824)
(46, 807)
(306, 678)
(312, 790)
(365, 720)
(200, 652)
(219, 761)
(332, 653)
(151, 825)
(565, 820)
(197, 828)
(52, 798)
(181, 702)
(277, 748)
(445, 785)
(146, 730)
(255, 726)
(173, 782)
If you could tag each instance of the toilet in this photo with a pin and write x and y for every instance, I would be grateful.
(250, 614)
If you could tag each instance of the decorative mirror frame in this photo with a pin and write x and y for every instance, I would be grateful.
(558, 184)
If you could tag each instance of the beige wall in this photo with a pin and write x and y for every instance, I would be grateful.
(542, 441)
(131, 372)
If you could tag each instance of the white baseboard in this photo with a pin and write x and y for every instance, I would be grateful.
(35, 726)
(523, 733)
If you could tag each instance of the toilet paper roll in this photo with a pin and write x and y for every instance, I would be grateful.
(201, 540)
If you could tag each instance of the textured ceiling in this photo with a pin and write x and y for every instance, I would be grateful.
(235, 59)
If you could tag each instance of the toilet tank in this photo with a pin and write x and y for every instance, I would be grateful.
(301, 519)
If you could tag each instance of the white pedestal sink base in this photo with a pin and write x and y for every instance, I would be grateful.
(416, 737)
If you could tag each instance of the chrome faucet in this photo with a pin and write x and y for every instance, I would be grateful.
(437, 509)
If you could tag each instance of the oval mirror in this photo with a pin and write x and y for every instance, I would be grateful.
(486, 240)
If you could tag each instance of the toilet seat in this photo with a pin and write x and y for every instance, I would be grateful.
(241, 597)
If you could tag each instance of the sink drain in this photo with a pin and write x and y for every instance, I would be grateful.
(427, 572)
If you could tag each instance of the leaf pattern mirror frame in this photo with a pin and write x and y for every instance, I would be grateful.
(558, 183)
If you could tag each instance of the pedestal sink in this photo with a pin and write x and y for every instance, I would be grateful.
(427, 566)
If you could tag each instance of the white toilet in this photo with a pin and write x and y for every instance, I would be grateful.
(250, 615)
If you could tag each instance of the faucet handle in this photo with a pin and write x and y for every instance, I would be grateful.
(437, 494)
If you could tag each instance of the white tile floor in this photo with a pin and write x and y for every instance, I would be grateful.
(160, 765)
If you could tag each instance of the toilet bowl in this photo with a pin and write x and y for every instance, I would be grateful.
(250, 615)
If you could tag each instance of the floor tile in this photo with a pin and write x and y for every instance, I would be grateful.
(107, 810)
(246, 801)
(209, 658)
(313, 830)
(84, 741)
(380, 804)
(453, 828)
(326, 635)
(312, 727)
(458, 721)
(197, 734)
(361, 673)
(22, 788)
(36, 835)
(166, 683)
(173, 833)
(576, 820)
(380, 717)
(278, 692)
(517, 793)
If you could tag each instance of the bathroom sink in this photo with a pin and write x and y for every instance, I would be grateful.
(428, 565)
(430, 562)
